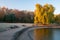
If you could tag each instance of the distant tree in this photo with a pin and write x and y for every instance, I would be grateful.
(1, 15)
(10, 18)
(57, 19)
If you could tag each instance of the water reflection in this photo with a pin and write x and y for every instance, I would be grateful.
(47, 34)
(56, 34)
(43, 34)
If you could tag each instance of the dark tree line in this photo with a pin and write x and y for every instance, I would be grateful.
(15, 16)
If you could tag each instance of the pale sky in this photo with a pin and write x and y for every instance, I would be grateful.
(29, 4)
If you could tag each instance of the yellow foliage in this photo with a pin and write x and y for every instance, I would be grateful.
(43, 15)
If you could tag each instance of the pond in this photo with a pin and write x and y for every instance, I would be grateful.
(56, 34)
(49, 34)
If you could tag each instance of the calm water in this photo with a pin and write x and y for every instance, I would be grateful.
(56, 34)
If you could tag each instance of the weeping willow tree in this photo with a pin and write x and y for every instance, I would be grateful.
(37, 13)
(43, 15)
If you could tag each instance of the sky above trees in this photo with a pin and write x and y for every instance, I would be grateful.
(29, 4)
